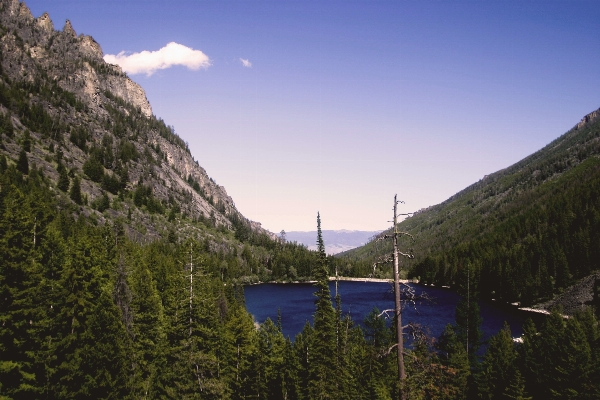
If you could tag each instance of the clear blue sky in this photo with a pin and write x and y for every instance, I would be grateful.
(348, 102)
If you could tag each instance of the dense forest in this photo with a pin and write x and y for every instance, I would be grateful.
(122, 263)
(88, 313)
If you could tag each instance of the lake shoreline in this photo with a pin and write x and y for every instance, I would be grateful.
(339, 278)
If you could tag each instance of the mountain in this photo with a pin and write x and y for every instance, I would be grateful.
(84, 115)
(523, 234)
(336, 241)
(81, 130)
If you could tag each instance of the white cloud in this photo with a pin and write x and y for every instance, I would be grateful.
(148, 62)
(246, 63)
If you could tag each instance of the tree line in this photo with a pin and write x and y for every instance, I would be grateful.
(88, 313)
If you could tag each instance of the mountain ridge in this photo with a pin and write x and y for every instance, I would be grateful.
(527, 231)
(75, 96)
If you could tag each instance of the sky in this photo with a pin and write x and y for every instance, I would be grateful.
(299, 107)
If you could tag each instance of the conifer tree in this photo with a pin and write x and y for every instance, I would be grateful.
(193, 333)
(148, 332)
(63, 178)
(303, 349)
(240, 342)
(22, 162)
(499, 374)
(322, 366)
(83, 307)
(468, 318)
(269, 362)
(18, 276)
(75, 192)
(452, 353)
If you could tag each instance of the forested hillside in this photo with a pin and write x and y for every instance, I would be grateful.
(526, 232)
(88, 313)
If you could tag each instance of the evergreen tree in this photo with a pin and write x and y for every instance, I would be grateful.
(63, 178)
(83, 308)
(18, 277)
(468, 318)
(193, 334)
(322, 365)
(75, 192)
(27, 141)
(291, 381)
(452, 353)
(240, 352)
(148, 332)
(23, 163)
(303, 349)
(3, 163)
(269, 362)
(498, 374)
(93, 168)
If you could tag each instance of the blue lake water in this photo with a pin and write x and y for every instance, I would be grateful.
(296, 302)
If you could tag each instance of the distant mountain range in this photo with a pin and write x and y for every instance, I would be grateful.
(336, 241)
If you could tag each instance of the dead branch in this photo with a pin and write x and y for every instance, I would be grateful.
(389, 350)
(389, 310)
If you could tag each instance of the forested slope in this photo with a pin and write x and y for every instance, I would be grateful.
(527, 231)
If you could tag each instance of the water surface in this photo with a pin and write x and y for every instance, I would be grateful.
(296, 302)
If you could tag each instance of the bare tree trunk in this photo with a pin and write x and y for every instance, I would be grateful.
(398, 310)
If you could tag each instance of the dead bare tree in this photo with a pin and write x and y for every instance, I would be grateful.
(397, 293)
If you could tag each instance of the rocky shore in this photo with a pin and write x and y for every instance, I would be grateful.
(576, 298)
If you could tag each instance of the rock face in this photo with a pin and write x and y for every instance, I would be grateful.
(84, 97)
(68, 29)
(588, 119)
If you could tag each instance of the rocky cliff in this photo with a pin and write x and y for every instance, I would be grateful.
(76, 110)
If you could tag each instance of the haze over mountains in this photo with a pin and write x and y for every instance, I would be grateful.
(336, 241)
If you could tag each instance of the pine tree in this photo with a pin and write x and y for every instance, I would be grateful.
(468, 318)
(499, 374)
(240, 351)
(87, 357)
(322, 366)
(19, 274)
(269, 362)
(452, 353)
(22, 162)
(193, 334)
(148, 331)
(63, 179)
(303, 349)
(75, 192)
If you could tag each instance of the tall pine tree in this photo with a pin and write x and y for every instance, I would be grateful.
(322, 358)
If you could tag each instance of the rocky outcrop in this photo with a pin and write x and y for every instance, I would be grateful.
(68, 29)
(574, 299)
(90, 48)
(588, 119)
(120, 85)
(45, 23)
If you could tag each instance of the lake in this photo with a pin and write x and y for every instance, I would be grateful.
(296, 302)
